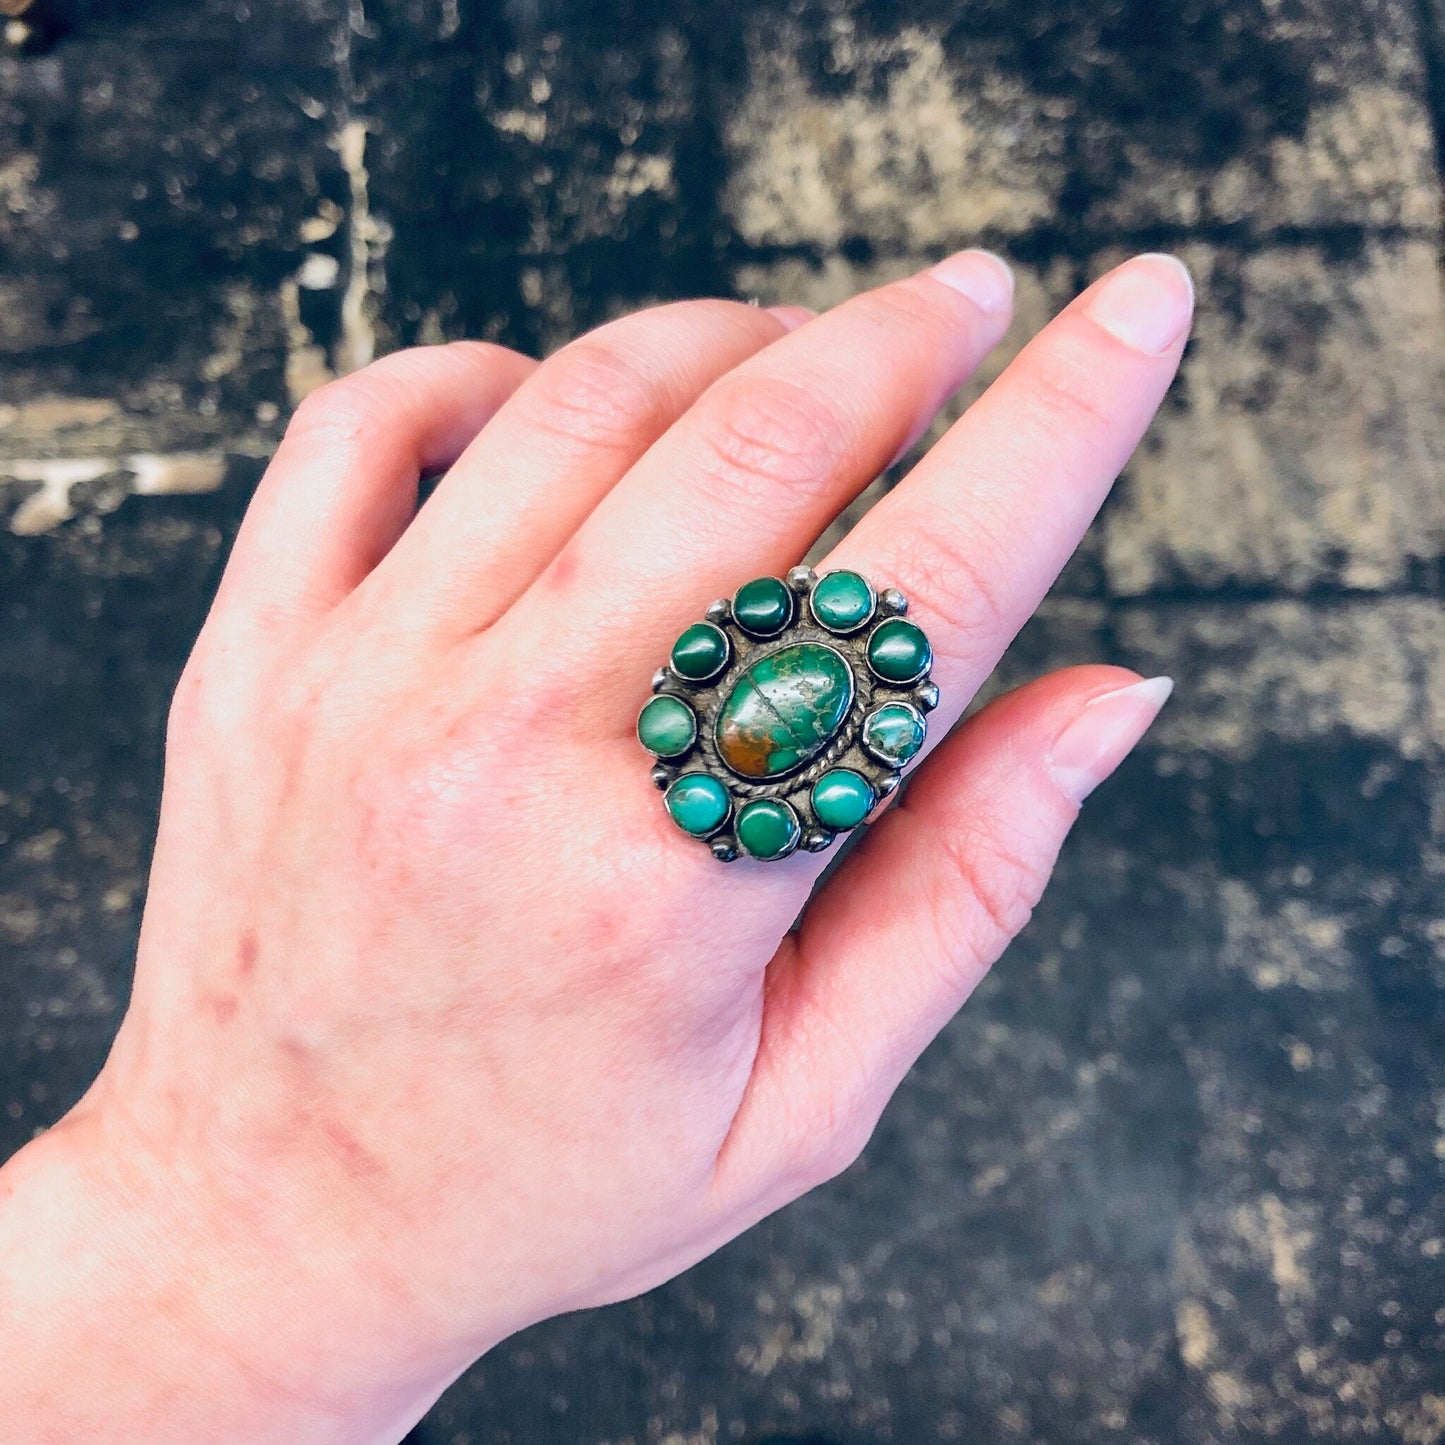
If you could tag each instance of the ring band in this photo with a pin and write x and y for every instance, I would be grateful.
(787, 716)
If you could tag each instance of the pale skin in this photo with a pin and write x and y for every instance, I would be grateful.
(440, 1027)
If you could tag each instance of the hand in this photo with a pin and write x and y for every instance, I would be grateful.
(440, 1026)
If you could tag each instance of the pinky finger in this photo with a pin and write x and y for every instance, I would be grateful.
(903, 932)
(343, 485)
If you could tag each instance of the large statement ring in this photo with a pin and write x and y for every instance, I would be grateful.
(786, 717)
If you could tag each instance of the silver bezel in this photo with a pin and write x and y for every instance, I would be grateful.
(863, 741)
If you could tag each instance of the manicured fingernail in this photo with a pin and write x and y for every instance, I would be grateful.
(791, 316)
(983, 277)
(1103, 734)
(1147, 303)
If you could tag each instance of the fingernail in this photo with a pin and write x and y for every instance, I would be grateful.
(983, 277)
(792, 317)
(1103, 735)
(1147, 303)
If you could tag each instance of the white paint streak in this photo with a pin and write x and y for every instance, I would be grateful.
(319, 272)
(1280, 1236)
(1197, 1341)
(56, 413)
(17, 181)
(188, 474)
(366, 245)
(323, 225)
(50, 506)
(306, 363)
(531, 125)
(180, 473)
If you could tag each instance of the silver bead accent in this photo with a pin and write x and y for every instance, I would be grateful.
(892, 600)
(927, 696)
(720, 611)
(802, 579)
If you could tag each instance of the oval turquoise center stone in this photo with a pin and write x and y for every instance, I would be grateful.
(784, 710)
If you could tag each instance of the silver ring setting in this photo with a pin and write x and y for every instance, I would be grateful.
(786, 717)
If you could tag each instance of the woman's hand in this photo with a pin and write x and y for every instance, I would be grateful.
(440, 1026)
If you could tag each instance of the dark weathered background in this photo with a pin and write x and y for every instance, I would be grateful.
(1175, 1174)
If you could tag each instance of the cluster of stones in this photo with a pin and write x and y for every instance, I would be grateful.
(765, 706)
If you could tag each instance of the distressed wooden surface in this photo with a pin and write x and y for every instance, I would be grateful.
(1175, 1174)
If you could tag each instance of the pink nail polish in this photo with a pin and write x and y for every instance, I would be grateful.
(984, 278)
(791, 316)
(1103, 734)
(1147, 303)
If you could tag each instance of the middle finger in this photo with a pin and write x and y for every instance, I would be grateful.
(746, 480)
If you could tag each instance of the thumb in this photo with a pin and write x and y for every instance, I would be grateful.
(902, 933)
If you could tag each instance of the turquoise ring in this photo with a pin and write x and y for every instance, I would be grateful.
(787, 716)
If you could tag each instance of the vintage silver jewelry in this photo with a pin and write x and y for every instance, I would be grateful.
(788, 715)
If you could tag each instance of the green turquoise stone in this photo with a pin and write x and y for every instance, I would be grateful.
(700, 653)
(842, 601)
(667, 727)
(894, 733)
(767, 829)
(698, 804)
(898, 651)
(841, 799)
(784, 710)
(763, 607)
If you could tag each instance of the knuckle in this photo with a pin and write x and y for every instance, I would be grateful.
(769, 435)
(999, 888)
(705, 319)
(838, 1140)
(948, 577)
(486, 355)
(1066, 393)
(592, 393)
(343, 410)
(828, 1128)
(189, 704)
(355, 407)
(210, 701)
(487, 361)
(918, 304)
(296, 699)
(842, 1149)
